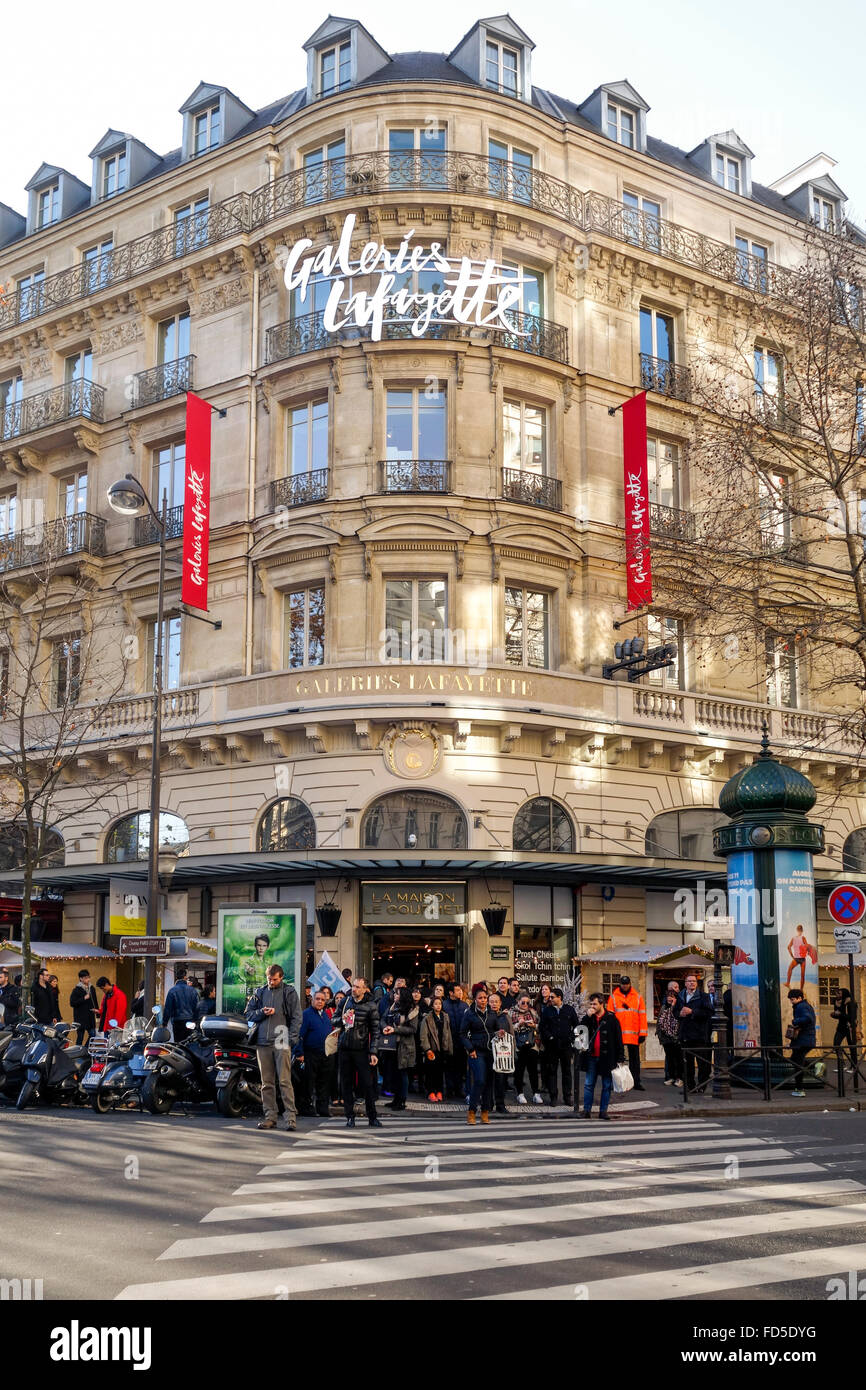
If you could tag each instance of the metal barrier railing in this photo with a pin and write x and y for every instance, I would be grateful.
(769, 1070)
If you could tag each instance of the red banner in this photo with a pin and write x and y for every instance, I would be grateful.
(639, 584)
(196, 503)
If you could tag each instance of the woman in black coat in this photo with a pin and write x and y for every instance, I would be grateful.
(43, 999)
(604, 1052)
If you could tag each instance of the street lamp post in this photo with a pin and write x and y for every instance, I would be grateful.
(129, 498)
(723, 954)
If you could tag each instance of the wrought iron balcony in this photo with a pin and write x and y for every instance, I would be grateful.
(414, 475)
(666, 378)
(535, 489)
(671, 523)
(299, 489)
(778, 412)
(307, 333)
(147, 531)
(53, 542)
(776, 545)
(162, 382)
(75, 400)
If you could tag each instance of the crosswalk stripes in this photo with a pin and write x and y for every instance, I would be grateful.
(431, 1209)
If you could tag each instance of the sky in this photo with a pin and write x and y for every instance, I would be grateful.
(785, 79)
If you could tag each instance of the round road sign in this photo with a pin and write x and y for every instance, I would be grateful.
(847, 904)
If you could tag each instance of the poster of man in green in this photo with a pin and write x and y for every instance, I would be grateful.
(250, 939)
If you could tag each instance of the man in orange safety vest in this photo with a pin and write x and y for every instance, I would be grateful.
(630, 1010)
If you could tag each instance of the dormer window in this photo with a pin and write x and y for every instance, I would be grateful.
(335, 68)
(501, 68)
(206, 130)
(824, 213)
(729, 172)
(114, 174)
(49, 205)
(621, 125)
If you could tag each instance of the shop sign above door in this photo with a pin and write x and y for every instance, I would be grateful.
(418, 903)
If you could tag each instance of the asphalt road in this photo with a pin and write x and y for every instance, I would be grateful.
(765, 1207)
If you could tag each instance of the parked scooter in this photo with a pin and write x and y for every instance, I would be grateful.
(117, 1071)
(183, 1071)
(237, 1077)
(54, 1068)
(13, 1073)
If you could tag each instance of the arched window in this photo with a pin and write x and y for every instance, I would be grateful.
(13, 841)
(129, 839)
(683, 834)
(287, 824)
(543, 826)
(854, 852)
(414, 820)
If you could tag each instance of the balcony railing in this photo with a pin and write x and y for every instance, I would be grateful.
(307, 333)
(53, 541)
(535, 489)
(299, 489)
(454, 172)
(671, 523)
(115, 717)
(147, 530)
(75, 400)
(162, 382)
(666, 378)
(414, 475)
(783, 547)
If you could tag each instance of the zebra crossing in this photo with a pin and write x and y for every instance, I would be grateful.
(426, 1208)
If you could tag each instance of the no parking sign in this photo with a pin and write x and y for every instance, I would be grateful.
(847, 904)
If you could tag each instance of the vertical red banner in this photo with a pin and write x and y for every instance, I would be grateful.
(639, 583)
(196, 503)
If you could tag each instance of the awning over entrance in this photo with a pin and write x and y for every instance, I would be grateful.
(648, 955)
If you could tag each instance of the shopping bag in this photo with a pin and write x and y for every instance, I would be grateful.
(622, 1079)
(331, 1042)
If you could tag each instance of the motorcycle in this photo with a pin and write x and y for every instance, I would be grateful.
(117, 1068)
(183, 1071)
(54, 1068)
(237, 1079)
(12, 1050)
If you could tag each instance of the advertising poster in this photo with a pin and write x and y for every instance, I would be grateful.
(250, 939)
(797, 930)
(743, 907)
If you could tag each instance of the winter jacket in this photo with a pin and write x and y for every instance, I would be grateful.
(557, 1026)
(476, 1029)
(455, 1009)
(408, 1029)
(10, 998)
(113, 1006)
(315, 1028)
(525, 1027)
(255, 1012)
(181, 1003)
(630, 1010)
(804, 1022)
(611, 1045)
(85, 1005)
(695, 1028)
(42, 998)
(358, 1024)
(430, 1035)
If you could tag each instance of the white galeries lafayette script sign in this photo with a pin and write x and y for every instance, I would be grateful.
(476, 292)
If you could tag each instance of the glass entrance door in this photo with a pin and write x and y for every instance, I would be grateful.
(423, 955)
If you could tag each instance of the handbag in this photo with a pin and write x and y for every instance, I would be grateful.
(791, 1032)
(387, 1043)
(331, 1042)
(622, 1078)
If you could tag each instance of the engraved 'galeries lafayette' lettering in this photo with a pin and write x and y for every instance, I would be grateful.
(413, 682)
(476, 292)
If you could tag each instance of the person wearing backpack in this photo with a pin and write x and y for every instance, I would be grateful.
(801, 1032)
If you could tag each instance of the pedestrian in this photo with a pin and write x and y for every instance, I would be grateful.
(42, 998)
(276, 1009)
(630, 1009)
(557, 1024)
(502, 990)
(329, 1000)
(347, 976)
(54, 986)
(85, 1007)
(605, 1050)
(181, 1004)
(113, 1004)
(694, 1015)
(409, 1015)
(845, 1014)
(455, 1008)
(524, 1021)
(477, 1028)
(504, 1028)
(10, 1001)
(514, 992)
(358, 1021)
(136, 1008)
(382, 988)
(207, 1004)
(417, 1072)
(802, 1035)
(310, 1052)
(437, 1047)
(667, 1032)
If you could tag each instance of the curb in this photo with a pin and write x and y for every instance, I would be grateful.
(679, 1112)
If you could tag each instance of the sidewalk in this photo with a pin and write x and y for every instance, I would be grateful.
(660, 1102)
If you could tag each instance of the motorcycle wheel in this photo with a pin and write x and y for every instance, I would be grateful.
(100, 1103)
(155, 1099)
(228, 1100)
(26, 1095)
